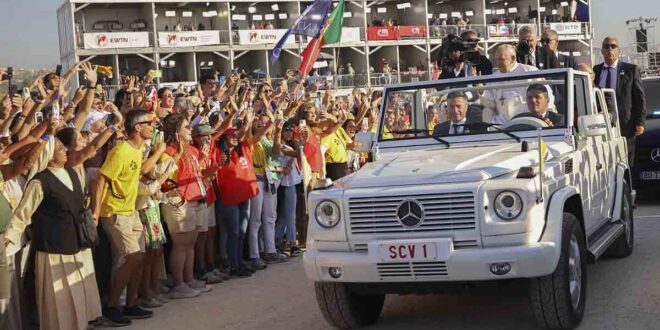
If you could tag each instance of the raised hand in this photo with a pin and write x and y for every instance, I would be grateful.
(90, 72)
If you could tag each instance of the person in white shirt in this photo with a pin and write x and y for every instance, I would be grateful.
(502, 104)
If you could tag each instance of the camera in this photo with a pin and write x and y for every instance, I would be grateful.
(453, 43)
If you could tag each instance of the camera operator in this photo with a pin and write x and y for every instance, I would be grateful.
(460, 58)
(527, 51)
(482, 64)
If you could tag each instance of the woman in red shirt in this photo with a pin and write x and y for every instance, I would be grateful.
(237, 183)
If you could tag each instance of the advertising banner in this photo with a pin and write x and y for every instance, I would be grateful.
(412, 31)
(188, 38)
(350, 34)
(499, 31)
(116, 40)
(567, 28)
(381, 33)
(262, 37)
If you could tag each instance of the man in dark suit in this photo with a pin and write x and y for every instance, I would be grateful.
(538, 103)
(458, 123)
(549, 57)
(626, 80)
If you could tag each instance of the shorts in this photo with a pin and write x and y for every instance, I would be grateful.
(211, 217)
(181, 219)
(153, 228)
(125, 232)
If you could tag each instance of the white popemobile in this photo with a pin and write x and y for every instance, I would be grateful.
(468, 200)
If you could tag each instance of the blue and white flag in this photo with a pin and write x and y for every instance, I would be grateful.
(309, 23)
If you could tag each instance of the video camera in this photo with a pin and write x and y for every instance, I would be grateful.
(453, 43)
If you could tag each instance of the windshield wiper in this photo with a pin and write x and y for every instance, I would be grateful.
(499, 129)
(418, 131)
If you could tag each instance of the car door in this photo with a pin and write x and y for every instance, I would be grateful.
(592, 166)
(616, 149)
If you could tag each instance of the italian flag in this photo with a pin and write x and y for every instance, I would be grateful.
(331, 34)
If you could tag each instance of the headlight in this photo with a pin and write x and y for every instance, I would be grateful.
(327, 214)
(508, 205)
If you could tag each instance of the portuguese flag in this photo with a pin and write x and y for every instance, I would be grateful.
(330, 34)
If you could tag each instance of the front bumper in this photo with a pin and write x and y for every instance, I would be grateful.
(527, 261)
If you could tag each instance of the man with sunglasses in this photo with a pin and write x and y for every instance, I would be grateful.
(482, 65)
(550, 58)
(626, 80)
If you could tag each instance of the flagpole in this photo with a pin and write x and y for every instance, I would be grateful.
(541, 165)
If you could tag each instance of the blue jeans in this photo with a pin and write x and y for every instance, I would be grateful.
(236, 221)
(287, 220)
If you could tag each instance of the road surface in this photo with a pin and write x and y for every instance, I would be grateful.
(622, 294)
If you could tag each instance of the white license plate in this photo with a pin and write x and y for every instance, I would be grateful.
(396, 252)
(650, 175)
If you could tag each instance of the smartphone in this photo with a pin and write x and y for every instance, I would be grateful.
(221, 80)
(38, 117)
(160, 137)
(26, 93)
(154, 136)
(280, 115)
(110, 119)
(10, 74)
(303, 123)
(13, 89)
(58, 70)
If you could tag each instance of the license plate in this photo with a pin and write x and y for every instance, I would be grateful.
(649, 175)
(396, 252)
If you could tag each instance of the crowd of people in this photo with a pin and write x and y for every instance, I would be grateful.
(185, 188)
(182, 189)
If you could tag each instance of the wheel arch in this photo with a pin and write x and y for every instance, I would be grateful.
(566, 199)
(622, 173)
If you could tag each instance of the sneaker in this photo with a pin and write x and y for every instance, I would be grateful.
(150, 303)
(257, 264)
(247, 265)
(211, 278)
(164, 289)
(135, 312)
(295, 251)
(240, 273)
(224, 276)
(162, 299)
(199, 286)
(112, 316)
(276, 258)
(183, 291)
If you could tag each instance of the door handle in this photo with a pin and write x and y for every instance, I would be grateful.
(599, 167)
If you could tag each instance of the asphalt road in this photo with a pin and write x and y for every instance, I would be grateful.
(622, 294)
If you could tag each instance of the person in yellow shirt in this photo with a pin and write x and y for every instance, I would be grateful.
(390, 121)
(114, 197)
(337, 145)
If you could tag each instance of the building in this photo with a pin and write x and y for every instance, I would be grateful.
(184, 39)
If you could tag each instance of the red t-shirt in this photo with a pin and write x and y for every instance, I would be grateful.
(237, 182)
(189, 176)
(313, 152)
(206, 163)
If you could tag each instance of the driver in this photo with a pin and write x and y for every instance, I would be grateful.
(538, 102)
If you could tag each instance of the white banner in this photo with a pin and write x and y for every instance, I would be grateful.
(262, 37)
(116, 40)
(350, 34)
(188, 38)
(567, 28)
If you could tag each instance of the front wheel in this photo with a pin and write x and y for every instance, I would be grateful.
(346, 309)
(558, 299)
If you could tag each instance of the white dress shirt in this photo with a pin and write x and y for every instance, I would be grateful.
(457, 128)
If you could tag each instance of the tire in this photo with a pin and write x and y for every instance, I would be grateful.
(345, 309)
(623, 246)
(551, 300)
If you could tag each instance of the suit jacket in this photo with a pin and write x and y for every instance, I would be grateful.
(556, 119)
(547, 60)
(630, 98)
(443, 128)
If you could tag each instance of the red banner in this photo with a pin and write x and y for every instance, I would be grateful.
(417, 31)
(381, 33)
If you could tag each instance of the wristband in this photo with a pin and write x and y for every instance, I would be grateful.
(113, 128)
(38, 100)
(92, 87)
(45, 137)
(20, 116)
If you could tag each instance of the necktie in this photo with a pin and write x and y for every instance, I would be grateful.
(608, 78)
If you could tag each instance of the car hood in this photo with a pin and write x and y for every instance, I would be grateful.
(454, 165)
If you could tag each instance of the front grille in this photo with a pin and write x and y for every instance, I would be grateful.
(360, 247)
(442, 212)
(412, 270)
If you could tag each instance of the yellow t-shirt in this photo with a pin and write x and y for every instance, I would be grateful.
(336, 144)
(259, 159)
(122, 170)
(387, 133)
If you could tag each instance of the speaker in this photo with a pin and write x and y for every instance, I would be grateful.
(642, 41)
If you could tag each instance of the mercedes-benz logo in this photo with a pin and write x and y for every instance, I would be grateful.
(410, 213)
(655, 155)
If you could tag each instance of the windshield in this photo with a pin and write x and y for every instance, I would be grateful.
(485, 106)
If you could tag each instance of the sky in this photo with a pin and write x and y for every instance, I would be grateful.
(28, 32)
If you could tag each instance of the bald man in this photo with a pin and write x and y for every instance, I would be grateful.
(626, 80)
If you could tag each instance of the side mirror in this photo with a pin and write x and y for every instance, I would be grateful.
(592, 125)
(364, 141)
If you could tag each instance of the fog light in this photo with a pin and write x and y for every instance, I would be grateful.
(500, 268)
(335, 272)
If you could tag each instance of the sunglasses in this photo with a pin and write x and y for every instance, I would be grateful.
(147, 122)
(610, 46)
(546, 40)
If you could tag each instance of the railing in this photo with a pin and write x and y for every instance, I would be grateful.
(350, 80)
(414, 76)
(382, 79)
(224, 36)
